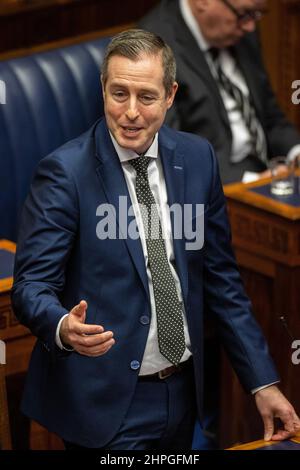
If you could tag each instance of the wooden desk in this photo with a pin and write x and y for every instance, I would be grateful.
(19, 344)
(266, 238)
(255, 445)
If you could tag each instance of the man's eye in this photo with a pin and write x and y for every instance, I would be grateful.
(147, 98)
(119, 94)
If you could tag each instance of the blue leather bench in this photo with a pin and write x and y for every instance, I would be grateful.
(51, 97)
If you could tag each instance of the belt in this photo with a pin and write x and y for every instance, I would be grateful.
(165, 373)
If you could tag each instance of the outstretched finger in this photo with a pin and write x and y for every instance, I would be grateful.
(80, 310)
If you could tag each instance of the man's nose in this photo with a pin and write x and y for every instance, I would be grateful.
(132, 111)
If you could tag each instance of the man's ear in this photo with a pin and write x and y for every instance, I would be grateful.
(172, 94)
(200, 5)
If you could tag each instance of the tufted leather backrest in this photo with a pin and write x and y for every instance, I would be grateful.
(51, 97)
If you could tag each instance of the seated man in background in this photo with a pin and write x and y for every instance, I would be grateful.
(224, 92)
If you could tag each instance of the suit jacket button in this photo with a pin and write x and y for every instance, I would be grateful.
(135, 365)
(145, 320)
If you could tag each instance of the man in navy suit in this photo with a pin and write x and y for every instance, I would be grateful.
(118, 309)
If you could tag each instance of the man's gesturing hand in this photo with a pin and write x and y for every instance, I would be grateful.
(89, 340)
(271, 403)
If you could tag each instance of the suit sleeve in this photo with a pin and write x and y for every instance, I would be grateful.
(226, 300)
(48, 229)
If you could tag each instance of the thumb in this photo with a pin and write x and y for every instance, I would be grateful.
(80, 311)
(269, 427)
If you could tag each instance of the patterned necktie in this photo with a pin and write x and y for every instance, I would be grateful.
(169, 312)
(244, 105)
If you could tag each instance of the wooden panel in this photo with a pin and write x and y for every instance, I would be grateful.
(5, 440)
(18, 340)
(266, 238)
(23, 52)
(24, 24)
(19, 344)
(240, 421)
(280, 35)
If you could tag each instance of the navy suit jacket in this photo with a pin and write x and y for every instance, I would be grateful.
(199, 107)
(60, 260)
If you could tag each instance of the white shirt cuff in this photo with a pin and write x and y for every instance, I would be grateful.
(250, 176)
(257, 389)
(57, 335)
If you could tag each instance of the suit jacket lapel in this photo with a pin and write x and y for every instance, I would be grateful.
(194, 57)
(112, 178)
(173, 166)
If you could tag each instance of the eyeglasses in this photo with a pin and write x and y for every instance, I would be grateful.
(248, 15)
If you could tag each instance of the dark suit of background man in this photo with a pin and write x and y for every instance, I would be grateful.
(196, 28)
(113, 370)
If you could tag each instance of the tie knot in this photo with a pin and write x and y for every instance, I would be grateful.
(141, 164)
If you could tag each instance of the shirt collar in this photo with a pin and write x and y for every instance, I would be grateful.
(193, 25)
(126, 154)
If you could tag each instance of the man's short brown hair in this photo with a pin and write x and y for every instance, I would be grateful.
(135, 42)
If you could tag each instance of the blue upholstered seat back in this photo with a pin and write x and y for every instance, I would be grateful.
(51, 97)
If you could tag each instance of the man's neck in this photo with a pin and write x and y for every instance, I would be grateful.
(125, 154)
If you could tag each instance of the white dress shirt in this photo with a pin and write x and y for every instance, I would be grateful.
(153, 361)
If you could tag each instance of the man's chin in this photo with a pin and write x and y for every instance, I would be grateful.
(131, 143)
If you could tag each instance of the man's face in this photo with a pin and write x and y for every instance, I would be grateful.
(219, 23)
(135, 100)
